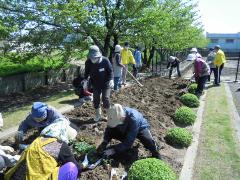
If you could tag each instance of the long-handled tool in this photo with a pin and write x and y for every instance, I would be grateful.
(135, 79)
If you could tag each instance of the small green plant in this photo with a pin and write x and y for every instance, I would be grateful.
(189, 100)
(185, 116)
(151, 168)
(192, 88)
(83, 148)
(179, 137)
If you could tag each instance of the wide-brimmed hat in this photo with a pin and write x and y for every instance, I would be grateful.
(94, 52)
(194, 50)
(217, 47)
(118, 48)
(39, 111)
(115, 114)
(61, 130)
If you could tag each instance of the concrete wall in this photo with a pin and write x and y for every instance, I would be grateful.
(26, 81)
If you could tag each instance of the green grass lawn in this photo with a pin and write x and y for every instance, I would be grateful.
(218, 157)
(13, 118)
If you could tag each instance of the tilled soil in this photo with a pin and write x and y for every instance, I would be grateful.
(157, 100)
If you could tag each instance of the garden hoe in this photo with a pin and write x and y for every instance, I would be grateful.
(135, 79)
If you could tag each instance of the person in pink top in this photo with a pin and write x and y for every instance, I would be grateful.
(201, 74)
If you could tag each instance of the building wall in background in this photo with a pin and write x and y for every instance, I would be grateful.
(228, 42)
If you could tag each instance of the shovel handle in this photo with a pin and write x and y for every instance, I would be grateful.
(135, 79)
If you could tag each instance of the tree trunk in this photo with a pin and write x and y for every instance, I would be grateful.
(145, 56)
(150, 56)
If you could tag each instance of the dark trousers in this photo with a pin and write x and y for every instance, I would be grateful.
(144, 136)
(171, 69)
(220, 72)
(105, 97)
(201, 84)
(215, 72)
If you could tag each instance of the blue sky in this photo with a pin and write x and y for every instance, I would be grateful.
(220, 16)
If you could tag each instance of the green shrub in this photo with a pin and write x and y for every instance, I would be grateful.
(151, 168)
(192, 88)
(185, 116)
(179, 137)
(190, 100)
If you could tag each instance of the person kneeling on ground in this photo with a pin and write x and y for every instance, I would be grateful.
(6, 159)
(201, 74)
(173, 63)
(49, 156)
(126, 124)
(82, 89)
(41, 116)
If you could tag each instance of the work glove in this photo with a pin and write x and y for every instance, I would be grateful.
(7, 148)
(111, 84)
(84, 84)
(101, 147)
(109, 152)
(19, 136)
(85, 162)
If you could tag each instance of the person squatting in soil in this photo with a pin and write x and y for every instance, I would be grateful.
(173, 63)
(219, 61)
(126, 124)
(127, 58)
(117, 67)
(49, 156)
(213, 68)
(100, 71)
(41, 116)
(201, 74)
(6, 159)
(82, 89)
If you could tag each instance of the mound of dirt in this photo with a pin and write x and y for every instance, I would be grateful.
(157, 100)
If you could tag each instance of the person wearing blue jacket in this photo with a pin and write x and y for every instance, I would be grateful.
(41, 116)
(126, 124)
(100, 71)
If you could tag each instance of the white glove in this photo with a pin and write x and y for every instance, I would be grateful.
(85, 162)
(7, 148)
(109, 152)
(111, 84)
(84, 83)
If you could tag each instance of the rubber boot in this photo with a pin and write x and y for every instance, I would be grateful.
(98, 116)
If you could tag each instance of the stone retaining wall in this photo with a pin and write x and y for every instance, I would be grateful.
(26, 81)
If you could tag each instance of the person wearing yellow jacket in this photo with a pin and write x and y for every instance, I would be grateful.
(219, 61)
(127, 58)
(48, 157)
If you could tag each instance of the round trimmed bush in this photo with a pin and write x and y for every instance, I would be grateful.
(190, 100)
(151, 168)
(179, 137)
(192, 88)
(185, 116)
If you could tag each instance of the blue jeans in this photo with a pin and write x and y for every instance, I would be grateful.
(117, 84)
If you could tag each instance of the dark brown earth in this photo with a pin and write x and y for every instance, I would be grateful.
(16, 100)
(157, 100)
